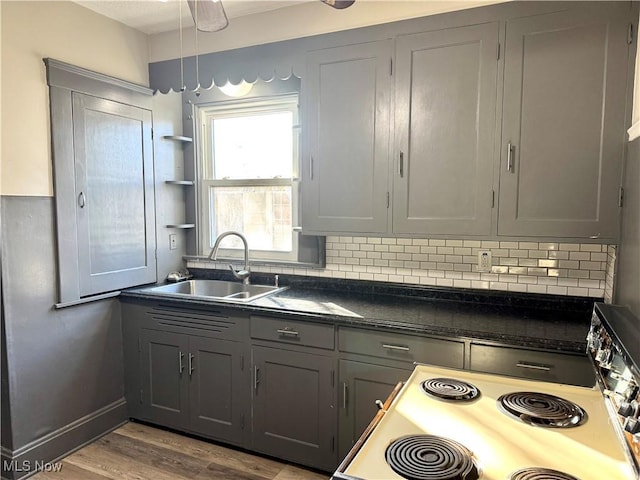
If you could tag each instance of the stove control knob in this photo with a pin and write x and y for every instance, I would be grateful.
(631, 391)
(625, 409)
(632, 425)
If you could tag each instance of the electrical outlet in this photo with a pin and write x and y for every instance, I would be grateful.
(173, 241)
(484, 261)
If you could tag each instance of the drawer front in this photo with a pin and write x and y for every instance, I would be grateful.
(294, 332)
(532, 364)
(204, 323)
(393, 346)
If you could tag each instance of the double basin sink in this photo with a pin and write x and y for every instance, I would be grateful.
(218, 290)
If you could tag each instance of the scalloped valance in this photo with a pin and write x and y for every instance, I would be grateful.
(266, 62)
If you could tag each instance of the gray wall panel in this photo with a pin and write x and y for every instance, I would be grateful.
(628, 267)
(62, 364)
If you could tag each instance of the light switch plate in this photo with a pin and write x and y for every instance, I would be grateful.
(173, 241)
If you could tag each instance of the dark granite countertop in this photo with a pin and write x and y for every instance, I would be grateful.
(528, 320)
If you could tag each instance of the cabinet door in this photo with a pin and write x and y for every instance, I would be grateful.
(165, 379)
(218, 392)
(362, 384)
(114, 186)
(445, 123)
(564, 118)
(345, 171)
(293, 406)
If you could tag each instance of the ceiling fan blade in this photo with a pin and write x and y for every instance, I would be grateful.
(339, 3)
(208, 15)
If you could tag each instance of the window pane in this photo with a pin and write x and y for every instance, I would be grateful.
(261, 213)
(253, 146)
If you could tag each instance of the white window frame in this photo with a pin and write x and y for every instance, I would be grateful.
(205, 114)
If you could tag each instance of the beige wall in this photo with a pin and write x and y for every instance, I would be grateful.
(65, 31)
(302, 20)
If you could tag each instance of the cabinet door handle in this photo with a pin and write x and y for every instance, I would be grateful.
(180, 364)
(256, 381)
(395, 347)
(191, 367)
(82, 200)
(533, 366)
(345, 391)
(286, 331)
(510, 149)
(310, 167)
(401, 164)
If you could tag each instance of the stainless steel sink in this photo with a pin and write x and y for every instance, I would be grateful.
(218, 290)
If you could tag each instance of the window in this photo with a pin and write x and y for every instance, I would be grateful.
(249, 162)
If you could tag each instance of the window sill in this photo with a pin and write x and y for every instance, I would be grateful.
(258, 263)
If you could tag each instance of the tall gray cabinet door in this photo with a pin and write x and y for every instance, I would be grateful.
(293, 406)
(115, 199)
(361, 385)
(563, 123)
(165, 378)
(445, 123)
(345, 163)
(218, 388)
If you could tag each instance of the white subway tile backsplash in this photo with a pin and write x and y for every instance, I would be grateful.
(579, 256)
(535, 267)
(587, 247)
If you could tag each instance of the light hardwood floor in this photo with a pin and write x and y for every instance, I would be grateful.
(140, 452)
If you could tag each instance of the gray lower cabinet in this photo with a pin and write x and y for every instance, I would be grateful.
(563, 123)
(294, 415)
(193, 383)
(532, 364)
(401, 347)
(361, 384)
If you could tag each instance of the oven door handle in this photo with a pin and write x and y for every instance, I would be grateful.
(534, 366)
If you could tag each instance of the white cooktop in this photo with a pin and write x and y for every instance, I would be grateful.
(501, 445)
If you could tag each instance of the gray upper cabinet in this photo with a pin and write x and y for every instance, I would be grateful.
(345, 166)
(444, 127)
(506, 124)
(114, 184)
(101, 136)
(563, 123)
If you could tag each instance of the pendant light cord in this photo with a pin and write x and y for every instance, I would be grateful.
(197, 57)
(182, 85)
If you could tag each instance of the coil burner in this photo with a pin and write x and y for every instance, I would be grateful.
(429, 457)
(542, 410)
(540, 474)
(450, 389)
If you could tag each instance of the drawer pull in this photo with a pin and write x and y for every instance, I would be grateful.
(533, 366)
(379, 404)
(287, 331)
(400, 348)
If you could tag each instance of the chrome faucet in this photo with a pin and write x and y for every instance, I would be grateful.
(239, 274)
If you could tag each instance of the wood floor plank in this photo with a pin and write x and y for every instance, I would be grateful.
(159, 457)
(259, 467)
(289, 472)
(69, 471)
(142, 452)
(99, 460)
